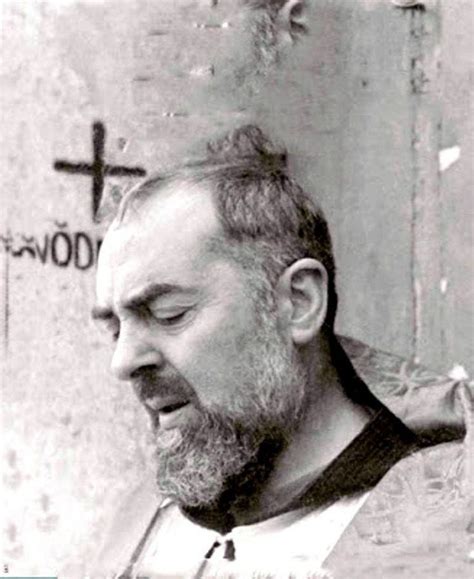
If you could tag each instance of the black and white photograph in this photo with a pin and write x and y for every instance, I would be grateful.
(237, 289)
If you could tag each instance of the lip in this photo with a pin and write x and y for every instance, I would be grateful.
(164, 404)
(172, 415)
(165, 410)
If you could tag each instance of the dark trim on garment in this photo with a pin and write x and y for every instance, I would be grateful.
(363, 463)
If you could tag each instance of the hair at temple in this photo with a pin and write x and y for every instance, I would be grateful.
(268, 221)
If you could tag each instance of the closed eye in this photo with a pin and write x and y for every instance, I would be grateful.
(172, 320)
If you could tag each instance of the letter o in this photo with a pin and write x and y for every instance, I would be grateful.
(55, 254)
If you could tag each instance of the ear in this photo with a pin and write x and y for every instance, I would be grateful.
(292, 21)
(302, 292)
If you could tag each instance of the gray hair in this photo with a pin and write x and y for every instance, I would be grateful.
(268, 221)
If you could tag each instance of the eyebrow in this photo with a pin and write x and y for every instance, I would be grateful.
(143, 297)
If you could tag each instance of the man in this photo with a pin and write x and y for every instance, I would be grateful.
(217, 283)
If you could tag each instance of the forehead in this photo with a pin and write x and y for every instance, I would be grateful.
(164, 239)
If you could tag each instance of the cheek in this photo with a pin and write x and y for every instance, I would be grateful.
(212, 357)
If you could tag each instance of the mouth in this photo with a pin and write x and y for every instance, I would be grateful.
(166, 412)
(169, 408)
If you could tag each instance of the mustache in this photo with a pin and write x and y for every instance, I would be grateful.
(149, 383)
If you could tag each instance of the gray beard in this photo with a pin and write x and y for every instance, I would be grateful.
(196, 464)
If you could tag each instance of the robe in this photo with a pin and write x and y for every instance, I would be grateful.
(417, 520)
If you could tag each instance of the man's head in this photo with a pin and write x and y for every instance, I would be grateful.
(266, 220)
(215, 280)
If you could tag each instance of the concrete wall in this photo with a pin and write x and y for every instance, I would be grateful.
(370, 101)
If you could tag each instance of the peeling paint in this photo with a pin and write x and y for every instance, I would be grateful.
(458, 372)
(448, 157)
(427, 260)
(417, 313)
(203, 71)
(418, 78)
(122, 144)
(206, 25)
(173, 114)
(406, 3)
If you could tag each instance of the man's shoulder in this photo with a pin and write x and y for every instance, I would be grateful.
(414, 521)
(427, 480)
(434, 406)
(129, 524)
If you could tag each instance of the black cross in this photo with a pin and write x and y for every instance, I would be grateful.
(98, 169)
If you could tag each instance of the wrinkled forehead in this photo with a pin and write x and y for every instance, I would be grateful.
(164, 232)
(180, 201)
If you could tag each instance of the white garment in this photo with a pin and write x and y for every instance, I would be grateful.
(294, 544)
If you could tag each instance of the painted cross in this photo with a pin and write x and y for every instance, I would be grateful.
(98, 169)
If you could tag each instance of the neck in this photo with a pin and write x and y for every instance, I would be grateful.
(330, 422)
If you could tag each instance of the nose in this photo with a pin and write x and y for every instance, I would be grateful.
(132, 352)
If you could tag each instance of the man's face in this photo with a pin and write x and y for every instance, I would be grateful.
(216, 378)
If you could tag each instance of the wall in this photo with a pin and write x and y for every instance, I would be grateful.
(370, 100)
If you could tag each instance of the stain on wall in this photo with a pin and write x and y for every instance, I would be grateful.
(364, 94)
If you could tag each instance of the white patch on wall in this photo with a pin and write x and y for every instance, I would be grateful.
(203, 71)
(406, 3)
(448, 157)
(458, 372)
